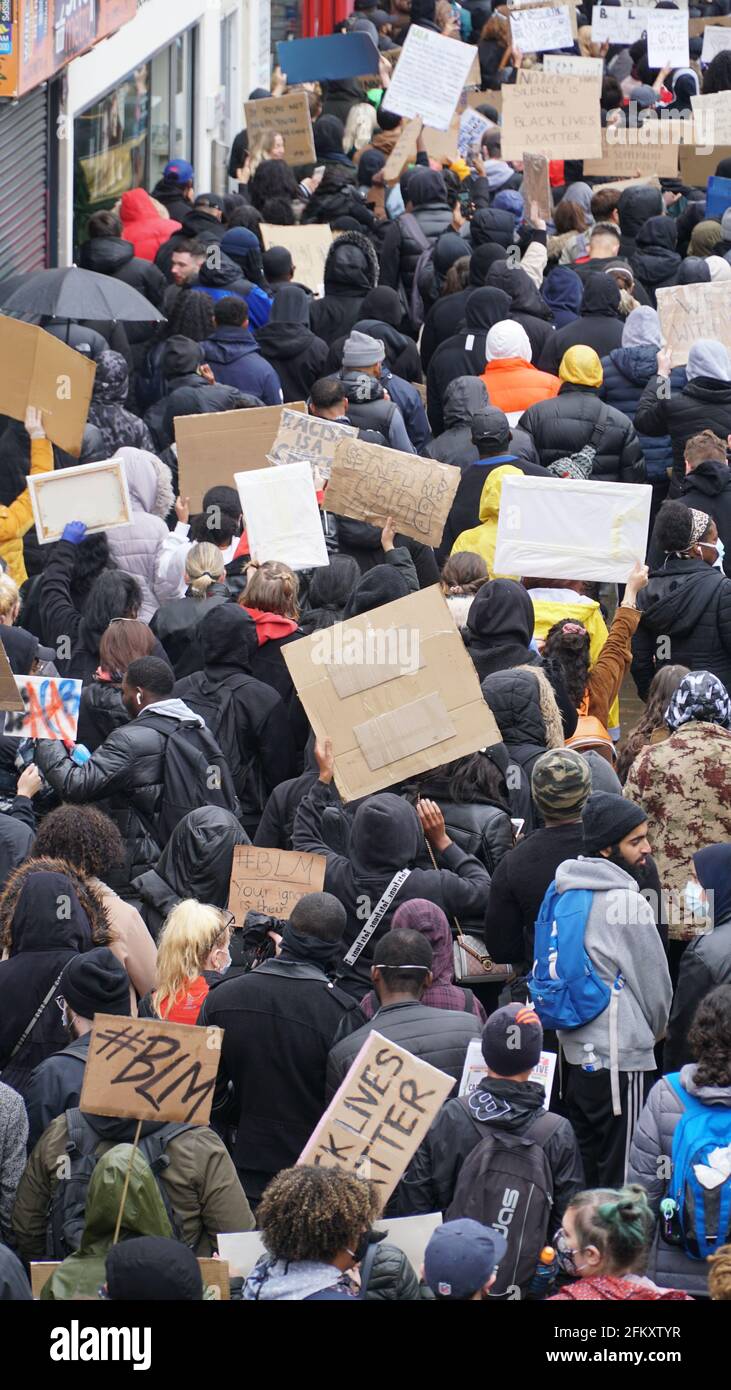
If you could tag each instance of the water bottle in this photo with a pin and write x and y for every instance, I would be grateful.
(591, 1061)
(80, 754)
(546, 1270)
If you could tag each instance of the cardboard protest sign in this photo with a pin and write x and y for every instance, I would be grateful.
(712, 116)
(379, 1116)
(429, 78)
(667, 38)
(50, 708)
(623, 153)
(696, 169)
(475, 1071)
(308, 247)
(555, 116)
(618, 23)
(608, 524)
(489, 98)
(370, 483)
(282, 517)
(95, 493)
(545, 27)
(441, 145)
(651, 181)
(696, 27)
(290, 115)
(327, 59)
(303, 437)
(375, 679)
(272, 880)
(567, 65)
(404, 151)
(10, 696)
(690, 312)
(150, 1069)
(536, 186)
(39, 370)
(212, 447)
(472, 127)
(715, 40)
(214, 1273)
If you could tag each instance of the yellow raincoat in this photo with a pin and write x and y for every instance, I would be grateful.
(481, 539)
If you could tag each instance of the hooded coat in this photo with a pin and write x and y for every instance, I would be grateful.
(464, 354)
(562, 293)
(263, 735)
(187, 393)
(177, 627)
(500, 625)
(336, 197)
(142, 224)
(526, 308)
(463, 399)
(118, 426)
(599, 325)
(481, 540)
(635, 206)
(414, 561)
(351, 270)
(656, 261)
(290, 347)
(382, 316)
(689, 602)
(492, 226)
(442, 993)
(706, 961)
(116, 257)
(427, 194)
(565, 424)
(195, 863)
(529, 719)
(627, 370)
(224, 280)
(704, 403)
(708, 489)
(138, 549)
(513, 383)
(233, 355)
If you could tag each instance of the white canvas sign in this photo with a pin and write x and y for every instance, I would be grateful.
(429, 77)
(535, 31)
(563, 528)
(282, 517)
(95, 493)
(715, 40)
(618, 24)
(472, 127)
(475, 1071)
(667, 38)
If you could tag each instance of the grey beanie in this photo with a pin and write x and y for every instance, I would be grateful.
(362, 351)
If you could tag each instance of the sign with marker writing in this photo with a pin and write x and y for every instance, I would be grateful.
(667, 38)
(272, 880)
(620, 24)
(379, 1116)
(429, 78)
(290, 116)
(371, 483)
(149, 1069)
(304, 438)
(50, 709)
(690, 312)
(555, 116)
(543, 28)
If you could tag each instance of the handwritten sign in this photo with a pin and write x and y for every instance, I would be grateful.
(272, 881)
(149, 1069)
(404, 151)
(212, 447)
(308, 247)
(715, 40)
(542, 28)
(379, 1116)
(10, 697)
(50, 709)
(429, 78)
(475, 1071)
(667, 38)
(290, 116)
(690, 312)
(472, 127)
(624, 155)
(370, 483)
(555, 116)
(712, 118)
(304, 437)
(620, 24)
(568, 65)
(95, 493)
(536, 187)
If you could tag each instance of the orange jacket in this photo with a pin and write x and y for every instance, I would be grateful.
(513, 384)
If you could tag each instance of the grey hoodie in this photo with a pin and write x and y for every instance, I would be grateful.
(620, 934)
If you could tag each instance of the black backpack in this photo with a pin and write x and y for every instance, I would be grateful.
(506, 1182)
(67, 1212)
(216, 705)
(191, 753)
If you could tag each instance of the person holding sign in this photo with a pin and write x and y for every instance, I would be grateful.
(16, 519)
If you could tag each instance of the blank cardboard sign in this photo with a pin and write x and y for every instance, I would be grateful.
(308, 247)
(39, 370)
(416, 649)
(272, 880)
(95, 493)
(212, 448)
(150, 1069)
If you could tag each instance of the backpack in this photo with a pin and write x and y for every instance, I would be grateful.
(190, 754)
(702, 1220)
(424, 279)
(506, 1182)
(563, 984)
(67, 1212)
(218, 707)
(581, 464)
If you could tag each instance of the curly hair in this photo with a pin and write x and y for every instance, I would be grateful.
(191, 316)
(709, 1038)
(82, 836)
(664, 684)
(310, 1213)
(89, 897)
(571, 653)
(719, 1277)
(273, 179)
(618, 1222)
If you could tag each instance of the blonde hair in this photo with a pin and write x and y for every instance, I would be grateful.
(190, 933)
(204, 564)
(9, 596)
(261, 147)
(272, 588)
(719, 1277)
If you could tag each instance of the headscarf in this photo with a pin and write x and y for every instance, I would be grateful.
(719, 268)
(704, 237)
(702, 698)
(581, 366)
(713, 868)
(508, 339)
(582, 194)
(642, 328)
(708, 358)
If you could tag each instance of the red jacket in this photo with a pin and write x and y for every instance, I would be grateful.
(143, 225)
(610, 1289)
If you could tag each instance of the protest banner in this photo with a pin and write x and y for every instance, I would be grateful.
(475, 1071)
(150, 1069)
(404, 151)
(398, 682)
(10, 696)
(302, 437)
(308, 247)
(40, 371)
(567, 65)
(555, 116)
(571, 5)
(328, 59)
(667, 38)
(536, 30)
(715, 40)
(607, 522)
(282, 516)
(493, 98)
(620, 24)
(411, 1234)
(447, 63)
(536, 186)
(472, 127)
(624, 154)
(212, 447)
(95, 493)
(370, 483)
(441, 145)
(690, 312)
(50, 708)
(715, 113)
(290, 115)
(272, 880)
(379, 1116)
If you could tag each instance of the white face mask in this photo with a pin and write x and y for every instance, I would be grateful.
(720, 552)
(224, 964)
(696, 907)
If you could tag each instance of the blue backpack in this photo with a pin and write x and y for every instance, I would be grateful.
(563, 984)
(703, 1214)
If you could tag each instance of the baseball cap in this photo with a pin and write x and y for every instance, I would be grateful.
(179, 171)
(460, 1258)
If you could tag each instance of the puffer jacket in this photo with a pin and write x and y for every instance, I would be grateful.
(142, 224)
(401, 250)
(465, 510)
(703, 404)
(138, 549)
(627, 371)
(437, 1036)
(351, 270)
(689, 603)
(565, 424)
(463, 399)
(17, 519)
(669, 1265)
(392, 1278)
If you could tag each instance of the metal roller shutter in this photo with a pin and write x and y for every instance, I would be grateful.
(24, 184)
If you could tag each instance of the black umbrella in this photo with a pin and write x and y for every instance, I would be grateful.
(71, 294)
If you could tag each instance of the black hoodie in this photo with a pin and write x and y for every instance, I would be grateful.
(635, 206)
(526, 308)
(500, 627)
(688, 603)
(195, 863)
(288, 344)
(351, 270)
(464, 354)
(599, 325)
(495, 226)
(114, 256)
(708, 489)
(655, 261)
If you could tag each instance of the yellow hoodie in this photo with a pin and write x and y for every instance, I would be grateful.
(16, 519)
(481, 539)
(550, 611)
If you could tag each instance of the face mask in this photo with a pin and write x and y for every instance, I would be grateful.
(225, 964)
(361, 1248)
(720, 552)
(565, 1255)
(695, 903)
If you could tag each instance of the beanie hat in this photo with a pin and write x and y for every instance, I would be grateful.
(512, 1039)
(582, 366)
(607, 818)
(560, 783)
(95, 983)
(362, 351)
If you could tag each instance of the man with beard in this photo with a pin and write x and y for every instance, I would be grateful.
(611, 1058)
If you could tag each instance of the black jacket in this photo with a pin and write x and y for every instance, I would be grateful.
(402, 355)
(703, 404)
(55, 1087)
(599, 325)
(17, 833)
(296, 354)
(445, 318)
(176, 626)
(526, 308)
(598, 265)
(437, 1036)
(363, 542)
(171, 197)
(688, 603)
(351, 270)
(279, 1022)
(464, 512)
(277, 823)
(195, 863)
(568, 421)
(655, 261)
(189, 395)
(635, 206)
(464, 354)
(463, 398)
(101, 712)
(708, 489)
(706, 962)
(401, 250)
(431, 1178)
(500, 628)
